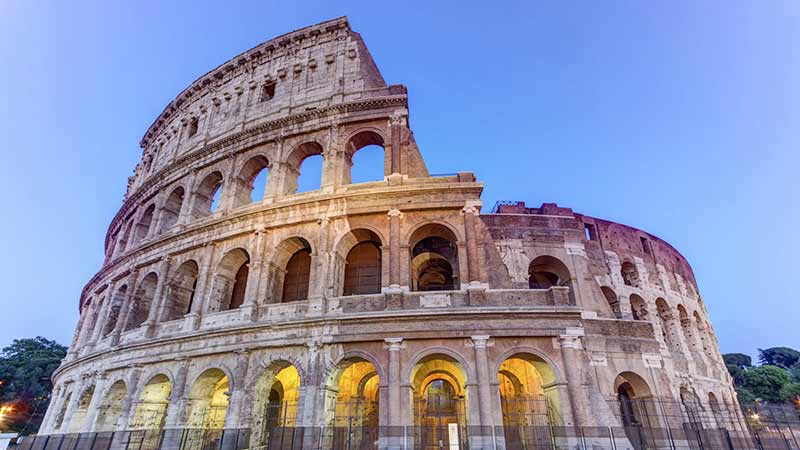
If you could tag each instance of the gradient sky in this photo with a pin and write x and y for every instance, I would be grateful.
(677, 117)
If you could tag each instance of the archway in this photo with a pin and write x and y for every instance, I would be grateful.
(434, 259)
(668, 328)
(275, 409)
(634, 397)
(638, 308)
(151, 409)
(230, 281)
(305, 166)
(79, 414)
(352, 404)
(612, 299)
(171, 210)
(181, 291)
(365, 158)
(143, 227)
(207, 195)
(360, 254)
(62, 411)
(545, 272)
(293, 264)
(208, 401)
(142, 301)
(109, 410)
(438, 384)
(630, 276)
(117, 300)
(252, 175)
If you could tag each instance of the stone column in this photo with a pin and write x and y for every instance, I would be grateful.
(77, 392)
(251, 303)
(233, 415)
(203, 280)
(154, 315)
(102, 316)
(125, 310)
(394, 248)
(73, 347)
(186, 213)
(470, 211)
(230, 185)
(94, 405)
(396, 124)
(55, 395)
(177, 398)
(394, 345)
(127, 409)
(570, 345)
(479, 343)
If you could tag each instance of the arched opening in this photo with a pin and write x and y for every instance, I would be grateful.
(305, 168)
(688, 329)
(632, 393)
(207, 195)
(115, 308)
(109, 410)
(251, 181)
(181, 291)
(171, 210)
(630, 276)
(667, 321)
(365, 157)
(276, 396)
(151, 408)
(79, 414)
(208, 401)
(293, 258)
(438, 384)
(693, 409)
(613, 301)
(362, 265)
(545, 272)
(125, 238)
(352, 404)
(229, 287)
(143, 227)
(639, 308)
(704, 335)
(93, 311)
(434, 259)
(142, 301)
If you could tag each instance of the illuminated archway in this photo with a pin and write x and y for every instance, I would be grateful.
(352, 404)
(79, 415)
(275, 409)
(151, 408)
(438, 384)
(109, 410)
(208, 401)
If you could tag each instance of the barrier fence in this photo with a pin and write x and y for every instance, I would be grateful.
(649, 425)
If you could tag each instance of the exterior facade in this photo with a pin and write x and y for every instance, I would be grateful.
(392, 303)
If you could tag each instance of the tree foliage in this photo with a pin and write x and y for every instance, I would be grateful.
(766, 382)
(25, 369)
(779, 356)
(737, 359)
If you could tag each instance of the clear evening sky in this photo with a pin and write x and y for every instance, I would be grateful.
(677, 117)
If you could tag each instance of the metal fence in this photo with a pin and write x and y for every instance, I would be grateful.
(649, 424)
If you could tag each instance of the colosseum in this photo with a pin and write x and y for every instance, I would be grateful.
(394, 313)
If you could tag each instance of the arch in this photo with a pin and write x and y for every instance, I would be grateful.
(277, 392)
(359, 262)
(688, 330)
(62, 411)
(547, 271)
(369, 140)
(251, 170)
(81, 410)
(667, 321)
(609, 294)
(207, 194)
(171, 210)
(630, 276)
(115, 307)
(633, 394)
(125, 238)
(703, 335)
(438, 384)
(142, 301)
(181, 291)
(145, 222)
(293, 258)
(229, 286)
(639, 308)
(295, 161)
(151, 408)
(352, 407)
(111, 406)
(208, 400)
(528, 392)
(434, 258)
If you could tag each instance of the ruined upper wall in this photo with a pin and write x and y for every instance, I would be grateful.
(310, 68)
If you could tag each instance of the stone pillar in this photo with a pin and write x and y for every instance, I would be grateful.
(77, 392)
(233, 415)
(187, 206)
(394, 345)
(102, 316)
(203, 281)
(177, 399)
(73, 347)
(250, 305)
(156, 309)
(396, 124)
(55, 395)
(230, 185)
(394, 248)
(94, 405)
(127, 305)
(127, 410)
(470, 211)
(570, 345)
(479, 343)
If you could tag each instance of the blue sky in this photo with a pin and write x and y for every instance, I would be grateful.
(680, 118)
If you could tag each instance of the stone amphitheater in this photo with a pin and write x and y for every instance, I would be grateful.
(386, 304)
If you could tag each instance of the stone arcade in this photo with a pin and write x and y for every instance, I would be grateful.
(391, 303)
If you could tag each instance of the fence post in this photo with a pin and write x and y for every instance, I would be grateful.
(613, 440)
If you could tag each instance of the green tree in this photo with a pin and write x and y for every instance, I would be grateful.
(737, 359)
(791, 392)
(779, 356)
(795, 372)
(25, 369)
(765, 382)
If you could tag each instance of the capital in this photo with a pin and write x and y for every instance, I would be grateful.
(569, 341)
(472, 207)
(394, 344)
(395, 213)
(480, 341)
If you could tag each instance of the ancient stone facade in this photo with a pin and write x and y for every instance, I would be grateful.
(365, 300)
